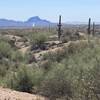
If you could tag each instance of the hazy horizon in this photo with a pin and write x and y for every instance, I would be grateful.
(71, 10)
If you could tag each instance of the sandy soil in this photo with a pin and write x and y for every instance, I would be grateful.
(8, 94)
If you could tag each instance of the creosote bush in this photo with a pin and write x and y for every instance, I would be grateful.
(38, 38)
(20, 80)
(5, 49)
(56, 83)
(24, 79)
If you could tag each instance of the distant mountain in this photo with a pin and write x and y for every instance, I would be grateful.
(36, 21)
(33, 21)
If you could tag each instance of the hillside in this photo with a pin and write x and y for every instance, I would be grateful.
(34, 61)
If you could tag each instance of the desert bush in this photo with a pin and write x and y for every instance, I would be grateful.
(56, 83)
(3, 70)
(20, 80)
(29, 58)
(16, 56)
(77, 46)
(46, 65)
(95, 79)
(71, 73)
(24, 79)
(5, 49)
(38, 38)
(81, 66)
(56, 56)
(66, 37)
(66, 51)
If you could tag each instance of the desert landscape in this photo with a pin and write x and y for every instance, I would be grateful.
(44, 65)
(49, 50)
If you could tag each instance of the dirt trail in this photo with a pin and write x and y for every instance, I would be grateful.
(8, 94)
(24, 50)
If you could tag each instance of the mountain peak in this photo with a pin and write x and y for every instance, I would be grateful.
(34, 19)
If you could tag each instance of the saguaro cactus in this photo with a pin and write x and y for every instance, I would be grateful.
(93, 31)
(59, 28)
(89, 26)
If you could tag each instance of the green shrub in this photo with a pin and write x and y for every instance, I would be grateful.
(3, 70)
(56, 56)
(38, 38)
(84, 69)
(56, 83)
(24, 79)
(79, 67)
(20, 80)
(5, 49)
(17, 56)
(68, 50)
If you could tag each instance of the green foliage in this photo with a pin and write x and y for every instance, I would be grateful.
(57, 83)
(82, 65)
(67, 51)
(55, 56)
(24, 82)
(3, 70)
(17, 56)
(24, 79)
(72, 73)
(38, 38)
(5, 49)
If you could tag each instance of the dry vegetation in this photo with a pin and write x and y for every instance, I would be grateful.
(34, 61)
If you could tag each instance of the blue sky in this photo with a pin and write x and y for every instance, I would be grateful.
(71, 10)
